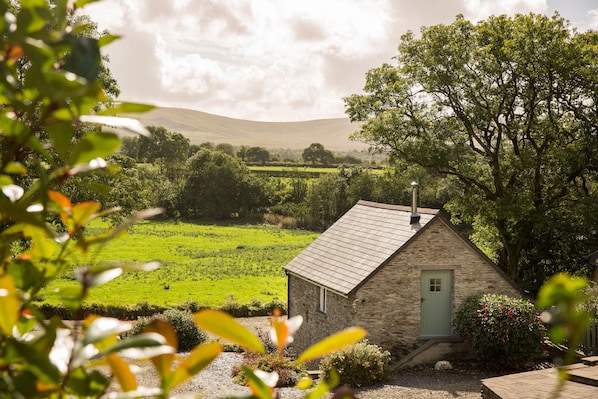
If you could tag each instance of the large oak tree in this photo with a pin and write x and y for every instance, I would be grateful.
(507, 110)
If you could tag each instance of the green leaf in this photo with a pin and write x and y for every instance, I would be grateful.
(25, 274)
(84, 58)
(15, 168)
(107, 39)
(5, 180)
(41, 247)
(123, 108)
(87, 385)
(92, 146)
(82, 3)
(62, 135)
(320, 390)
(9, 305)
(333, 343)
(142, 346)
(197, 360)
(560, 288)
(225, 326)
(36, 361)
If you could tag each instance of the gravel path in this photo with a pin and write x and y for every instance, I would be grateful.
(422, 383)
(215, 382)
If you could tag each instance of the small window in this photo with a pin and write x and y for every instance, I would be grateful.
(323, 300)
(435, 284)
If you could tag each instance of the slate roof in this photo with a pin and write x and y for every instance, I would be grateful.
(356, 245)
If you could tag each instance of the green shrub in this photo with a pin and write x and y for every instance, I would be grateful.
(289, 373)
(504, 332)
(188, 334)
(358, 365)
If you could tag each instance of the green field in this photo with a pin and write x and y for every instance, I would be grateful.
(291, 169)
(205, 263)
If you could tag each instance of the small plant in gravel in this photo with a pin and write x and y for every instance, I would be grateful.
(505, 333)
(187, 333)
(289, 373)
(358, 365)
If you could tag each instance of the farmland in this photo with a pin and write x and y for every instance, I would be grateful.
(208, 263)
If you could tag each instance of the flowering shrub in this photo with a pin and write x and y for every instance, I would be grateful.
(504, 332)
(358, 365)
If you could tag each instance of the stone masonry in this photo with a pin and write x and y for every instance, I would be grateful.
(387, 304)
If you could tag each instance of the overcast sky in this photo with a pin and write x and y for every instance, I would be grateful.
(284, 60)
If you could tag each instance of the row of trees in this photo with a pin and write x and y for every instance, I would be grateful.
(165, 146)
(212, 184)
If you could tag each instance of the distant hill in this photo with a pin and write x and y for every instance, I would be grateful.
(201, 127)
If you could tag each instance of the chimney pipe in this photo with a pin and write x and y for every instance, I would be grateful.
(414, 215)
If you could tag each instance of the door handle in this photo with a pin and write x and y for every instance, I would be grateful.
(422, 299)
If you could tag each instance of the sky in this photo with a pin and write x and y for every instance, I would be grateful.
(276, 60)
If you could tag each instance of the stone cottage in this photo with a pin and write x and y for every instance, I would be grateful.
(399, 272)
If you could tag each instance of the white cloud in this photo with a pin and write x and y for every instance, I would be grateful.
(480, 9)
(266, 60)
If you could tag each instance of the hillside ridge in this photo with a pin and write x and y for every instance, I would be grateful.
(202, 127)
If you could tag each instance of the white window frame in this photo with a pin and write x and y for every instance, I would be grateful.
(323, 306)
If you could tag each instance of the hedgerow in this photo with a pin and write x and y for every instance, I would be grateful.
(144, 309)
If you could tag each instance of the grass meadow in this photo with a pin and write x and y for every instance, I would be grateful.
(205, 263)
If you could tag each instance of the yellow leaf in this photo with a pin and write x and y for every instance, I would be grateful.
(163, 362)
(225, 326)
(197, 360)
(333, 343)
(123, 373)
(9, 305)
(82, 212)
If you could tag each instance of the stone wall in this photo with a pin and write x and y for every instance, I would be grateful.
(388, 304)
(316, 325)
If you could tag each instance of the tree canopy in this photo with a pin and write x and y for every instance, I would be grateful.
(317, 153)
(506, 110)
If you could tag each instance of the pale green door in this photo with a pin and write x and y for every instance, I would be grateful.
(436, 303)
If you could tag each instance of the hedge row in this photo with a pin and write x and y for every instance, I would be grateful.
(132, 312)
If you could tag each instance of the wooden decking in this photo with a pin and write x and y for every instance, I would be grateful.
(542, 384)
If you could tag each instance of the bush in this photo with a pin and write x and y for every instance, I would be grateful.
(188, 334)
(358, 365)
(504, 332)
(289, 373)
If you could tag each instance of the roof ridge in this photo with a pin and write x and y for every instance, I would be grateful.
(403, 208)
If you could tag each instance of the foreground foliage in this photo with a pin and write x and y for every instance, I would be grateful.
(505, 333)
(53, 103)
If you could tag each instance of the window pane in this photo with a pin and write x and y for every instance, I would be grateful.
(435, 284)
